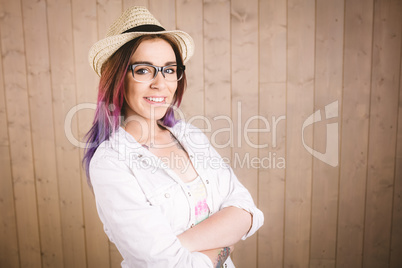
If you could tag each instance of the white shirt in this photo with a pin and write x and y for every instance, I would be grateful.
(144, 205)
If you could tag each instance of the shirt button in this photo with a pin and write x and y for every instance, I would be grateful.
(191, 156)
(192, 225)
(189, 194)
(140, 155)
(167, 195)
(207, 181)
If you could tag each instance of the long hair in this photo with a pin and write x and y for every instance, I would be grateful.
(111, 102)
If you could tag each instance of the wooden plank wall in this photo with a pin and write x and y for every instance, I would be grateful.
(264, 65)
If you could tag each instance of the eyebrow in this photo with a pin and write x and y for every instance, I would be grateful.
(147, 62)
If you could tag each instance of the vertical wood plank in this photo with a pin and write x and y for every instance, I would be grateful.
(328, 89)
(43, 140)
(19, 126)
(189, 18)
(108, 11)
(85, 35)
(216, 43)
(396, 231)
(245, 90)
(300, 96)
(130, 3)
(8, 227)
(272, 107)
(354, 132)
(115, 256)
(164, 12)
(225, 44)
(61, 49)
(382, 139)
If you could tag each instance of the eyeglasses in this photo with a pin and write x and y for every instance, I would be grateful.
(147, 72)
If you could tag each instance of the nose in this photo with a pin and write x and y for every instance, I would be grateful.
(159, 82)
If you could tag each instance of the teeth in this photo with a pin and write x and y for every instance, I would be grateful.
(155, 99)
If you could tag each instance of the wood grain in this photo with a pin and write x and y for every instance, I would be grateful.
(19, 129)
(244, 50)
(61, 49)
(164, 11)
(9, 254)
(42, 131)
(396, 231)
(217, 75)
(355, 119)
(327, 91)
(107, 12)
(130, 3)
(84, 21)
(279, 60)
(383, 127)
(300, 96)
(272, 107)
(193, 99)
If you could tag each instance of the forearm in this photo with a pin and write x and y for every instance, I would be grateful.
(224, 228)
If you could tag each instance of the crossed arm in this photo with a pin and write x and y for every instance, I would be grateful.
(215, 235)
(142, 233)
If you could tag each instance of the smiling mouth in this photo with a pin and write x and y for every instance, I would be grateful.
(155, 100)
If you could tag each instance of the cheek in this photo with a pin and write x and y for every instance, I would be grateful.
(132, 100)
(173, 89)
(132, 92)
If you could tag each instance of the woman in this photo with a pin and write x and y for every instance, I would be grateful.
(164, 195)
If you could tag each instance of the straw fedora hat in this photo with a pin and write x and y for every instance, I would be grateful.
(134, 22)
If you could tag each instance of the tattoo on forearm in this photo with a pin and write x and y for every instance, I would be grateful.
(223, 255)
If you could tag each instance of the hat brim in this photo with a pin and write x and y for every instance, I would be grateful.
(103, 49)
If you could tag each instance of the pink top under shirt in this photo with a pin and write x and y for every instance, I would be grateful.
(199, 196)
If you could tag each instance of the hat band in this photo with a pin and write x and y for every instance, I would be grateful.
(145, 28)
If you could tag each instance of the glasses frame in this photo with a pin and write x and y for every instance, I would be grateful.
(158, 69)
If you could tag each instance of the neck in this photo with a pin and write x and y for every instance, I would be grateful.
(142, 129)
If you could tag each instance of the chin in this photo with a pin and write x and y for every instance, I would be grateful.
(158, 115)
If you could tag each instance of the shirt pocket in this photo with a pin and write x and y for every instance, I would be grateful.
(163, 195)
(173, 204)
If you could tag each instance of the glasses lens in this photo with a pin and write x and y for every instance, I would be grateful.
(173, 73)
(144, 73)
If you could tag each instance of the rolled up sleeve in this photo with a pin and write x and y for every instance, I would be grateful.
(140, 231)
(234, 194)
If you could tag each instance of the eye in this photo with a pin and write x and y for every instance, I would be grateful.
(142, 70)
(170, 69)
